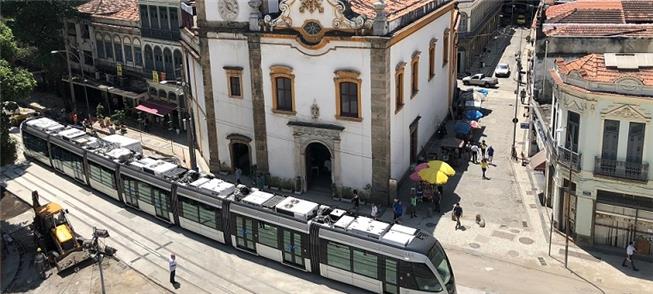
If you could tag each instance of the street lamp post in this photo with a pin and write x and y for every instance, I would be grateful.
(190, 124)
(70, 79)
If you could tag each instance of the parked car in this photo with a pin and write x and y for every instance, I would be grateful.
(480, 80)
(502, 70)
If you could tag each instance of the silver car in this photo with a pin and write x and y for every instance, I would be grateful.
(502, 70)
(480, 80)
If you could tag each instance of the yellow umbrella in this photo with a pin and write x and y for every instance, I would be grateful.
(442, 166)
(433, 176)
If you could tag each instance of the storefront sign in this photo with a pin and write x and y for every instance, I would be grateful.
(119, 69)
(155, 76)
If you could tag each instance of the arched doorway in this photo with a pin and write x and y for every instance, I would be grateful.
(240, 157)
(319, 166)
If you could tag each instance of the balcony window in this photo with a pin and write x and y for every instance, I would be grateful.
(610, 139)
(88, 58)
(117, 46)
(163, 12)
(573, 126)
(154, 17)
(174, 19)
(108, 48)
(635, 142)
(99, 45)
(145, 20)
(128, 53)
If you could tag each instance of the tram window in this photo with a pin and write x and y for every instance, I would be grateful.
(144, 193)
(339, 256)
(189, 209)
(102, 175)
(207, 216)
(425, 279)
(440, 262)
(35, 143)
(267, 235)
(365, 263)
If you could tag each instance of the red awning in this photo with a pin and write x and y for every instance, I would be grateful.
(156, 108)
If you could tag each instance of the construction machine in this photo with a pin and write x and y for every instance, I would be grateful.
(56, 237)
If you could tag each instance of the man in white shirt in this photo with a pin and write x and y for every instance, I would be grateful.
(630, 252)
(172, 264)
(475, 150)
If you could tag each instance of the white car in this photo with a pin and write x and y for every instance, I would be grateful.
(502, 70)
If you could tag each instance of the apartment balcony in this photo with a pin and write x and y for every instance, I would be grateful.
(621, 169)
(569, 158)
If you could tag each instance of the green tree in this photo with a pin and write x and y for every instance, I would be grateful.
(15, 84)
(7, 143)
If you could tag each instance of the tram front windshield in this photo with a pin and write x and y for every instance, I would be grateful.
(441, 263)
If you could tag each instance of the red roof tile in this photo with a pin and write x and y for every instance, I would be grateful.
(559, 9)
(599, 30)
(592, 68)
(393, 8)
(114, 9)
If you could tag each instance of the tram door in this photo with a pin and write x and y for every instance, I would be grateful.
(245, 233)
(161, 204)
(391, 277)
(130, 192)
(292, 248)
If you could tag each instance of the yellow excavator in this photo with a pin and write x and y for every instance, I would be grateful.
(56, 236)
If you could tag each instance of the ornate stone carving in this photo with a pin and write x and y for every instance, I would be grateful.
(311, 6)
(283, 20)
(340, 21)
(315, 111)
(627, 111)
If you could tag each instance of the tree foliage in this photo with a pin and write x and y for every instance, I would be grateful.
(15, 83)
(7, 143)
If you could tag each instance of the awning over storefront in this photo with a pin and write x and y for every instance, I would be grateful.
(156, 108)
(111, 89)
(537, 161)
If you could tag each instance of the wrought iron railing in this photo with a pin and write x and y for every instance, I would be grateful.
(621, 169)
(569, 158)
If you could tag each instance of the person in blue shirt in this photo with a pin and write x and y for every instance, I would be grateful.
(398, 210)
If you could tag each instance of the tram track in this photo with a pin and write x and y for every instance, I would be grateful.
(82, 210)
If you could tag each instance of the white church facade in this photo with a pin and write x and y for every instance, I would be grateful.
(319, 93)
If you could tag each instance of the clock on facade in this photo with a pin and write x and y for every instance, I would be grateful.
(228, 9)
(312, 28)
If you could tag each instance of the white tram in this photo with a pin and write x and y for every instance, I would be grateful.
(356, 250)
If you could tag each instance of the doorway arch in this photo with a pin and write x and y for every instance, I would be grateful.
(319, 166)
(240, 157)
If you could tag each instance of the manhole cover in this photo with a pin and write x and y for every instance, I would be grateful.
(526, 240)
(475, 245)
(430, 225)
(514, 231)
(513, 253)
(479, 204)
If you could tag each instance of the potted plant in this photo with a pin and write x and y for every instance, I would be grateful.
(334, 192)
(298, 186)
(275, 183)
(287, 185)
(347, 194)
(224, 168)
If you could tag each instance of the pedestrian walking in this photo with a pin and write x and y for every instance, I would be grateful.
(413, 206)
(484, 166)
(436, 202)
(39, 262)
(238, 173)
(356, 200)
(375, 211)
(490, 154)
(457, 213)
(397, 209)
(630, 252)
(483, 148)
(474, 149)
(172, 264)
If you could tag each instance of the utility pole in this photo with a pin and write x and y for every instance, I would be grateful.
(515, 120)
(568, 210)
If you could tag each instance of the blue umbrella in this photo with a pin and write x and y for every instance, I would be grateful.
(473, 114)
(462, 127)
